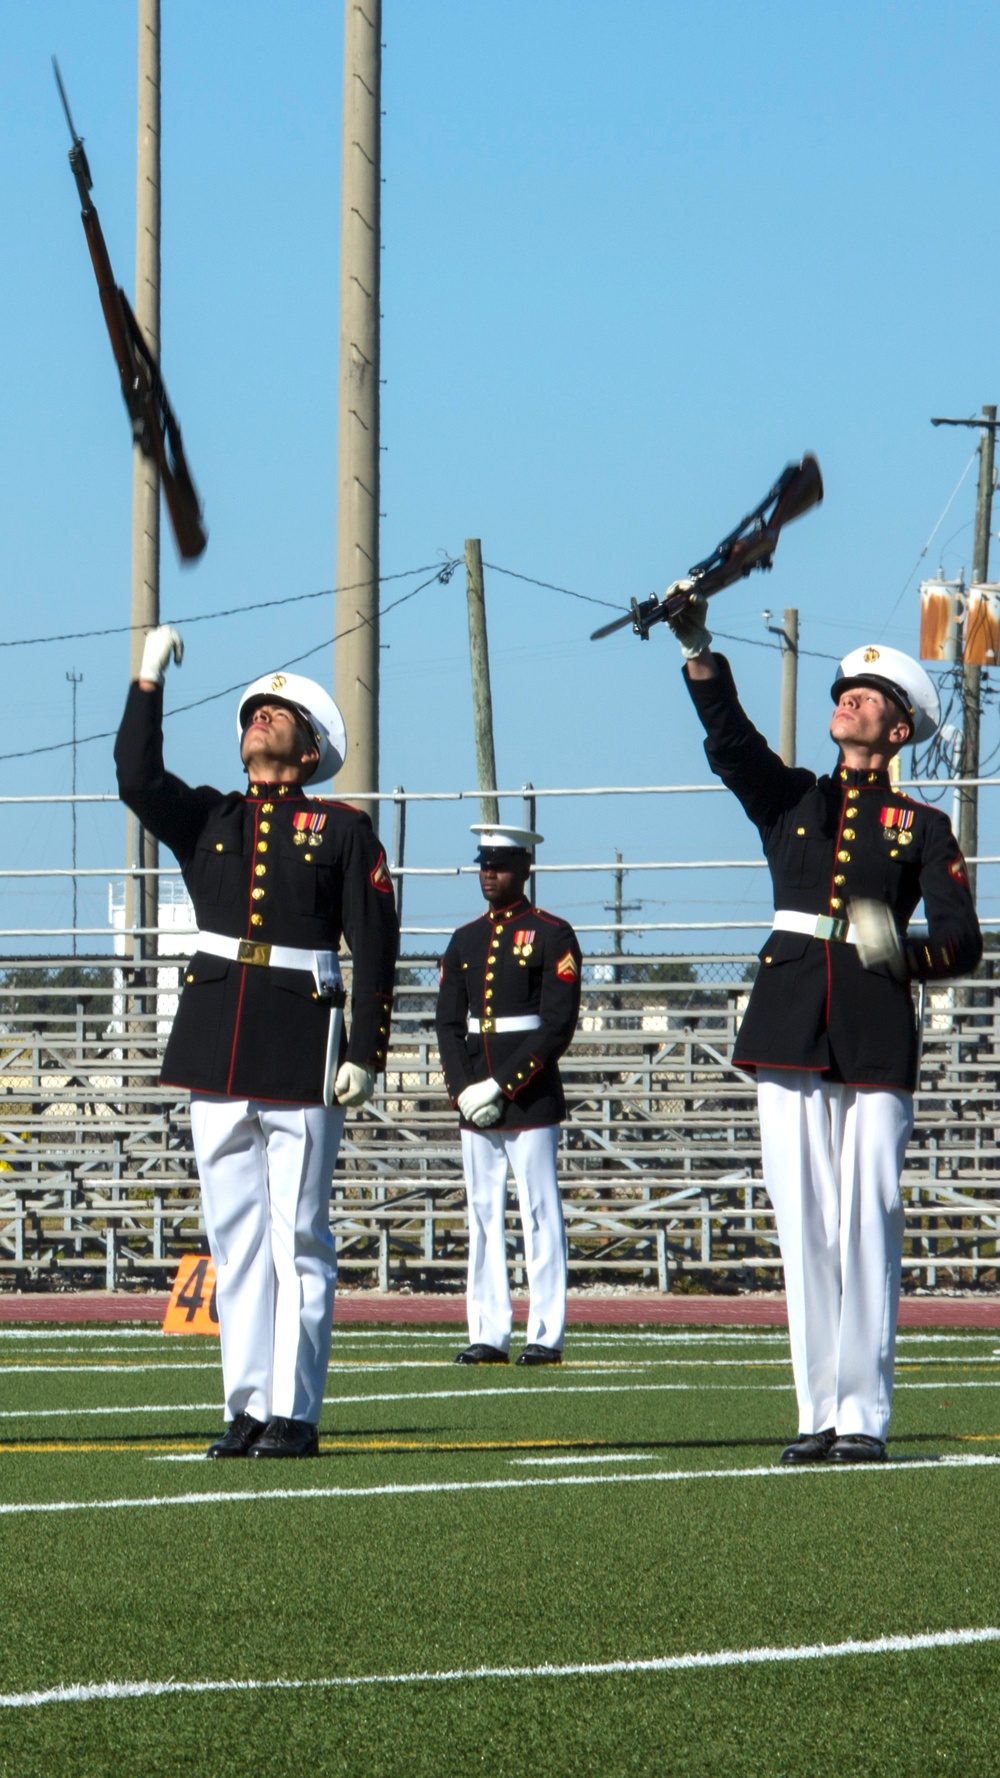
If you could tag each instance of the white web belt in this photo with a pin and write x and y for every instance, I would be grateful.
(323, 965)
(530, 1022)
(823, 926)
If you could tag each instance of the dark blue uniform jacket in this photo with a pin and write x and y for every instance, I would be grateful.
(241, 1029)
(510, 964)
(828, 840)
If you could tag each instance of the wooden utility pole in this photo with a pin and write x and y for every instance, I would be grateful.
(142, 893)
(789, 635)
(968, 812)
(75, 680)
(482, 699)
(356, 652)
(789, 686)
(967, 795)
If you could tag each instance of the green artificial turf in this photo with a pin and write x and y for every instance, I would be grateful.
(601, 1563)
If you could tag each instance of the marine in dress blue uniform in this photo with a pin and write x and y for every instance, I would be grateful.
(829, 1030)
(507, 1009)
(277, 878)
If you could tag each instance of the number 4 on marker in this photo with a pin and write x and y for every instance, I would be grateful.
(191, 1308)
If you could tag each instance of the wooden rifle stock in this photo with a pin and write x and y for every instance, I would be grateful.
(751, 545)
(154, 424)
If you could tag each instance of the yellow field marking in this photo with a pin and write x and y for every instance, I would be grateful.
(45, 1447)
(976, 1438)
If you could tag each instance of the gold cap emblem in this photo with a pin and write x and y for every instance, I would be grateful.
(279, 680)
(871, 654)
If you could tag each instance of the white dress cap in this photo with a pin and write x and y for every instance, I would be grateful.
(312, 702)
(892, 671)
(499, 839)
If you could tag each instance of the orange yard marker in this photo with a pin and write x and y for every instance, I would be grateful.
(191, 1308)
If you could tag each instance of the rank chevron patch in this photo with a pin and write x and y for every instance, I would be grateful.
(567, 968)
(381, 878)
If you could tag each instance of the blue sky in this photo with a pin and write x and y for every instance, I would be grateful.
(635, 259)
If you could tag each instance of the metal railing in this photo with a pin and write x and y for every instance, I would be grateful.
(660, 1159)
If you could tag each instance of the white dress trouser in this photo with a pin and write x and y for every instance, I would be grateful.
(833, 1156)
(265, 1189)
(532, 1155)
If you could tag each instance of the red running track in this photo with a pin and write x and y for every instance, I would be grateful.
(643, 1310)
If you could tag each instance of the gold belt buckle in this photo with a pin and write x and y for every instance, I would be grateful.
(252, 952)
(839, 933)
(486, 1026)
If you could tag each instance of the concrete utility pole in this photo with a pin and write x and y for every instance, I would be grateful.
(482, 699)
(142, 893)
(356, 656)
(789, 635)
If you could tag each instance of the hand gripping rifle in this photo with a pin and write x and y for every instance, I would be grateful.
(154, 423)
(751, 545)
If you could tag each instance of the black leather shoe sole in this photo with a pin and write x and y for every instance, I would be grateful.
(481, 1354)
(857, 1447)
(539, 1355)
(809, 1447)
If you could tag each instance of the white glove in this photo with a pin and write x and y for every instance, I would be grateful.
(476, 1098)
(486, 1115)
(689, 624)
(159, 645)
(877, 936)
(353, 1084)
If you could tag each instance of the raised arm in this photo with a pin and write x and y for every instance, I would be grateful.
(737, 751)
(168, 807)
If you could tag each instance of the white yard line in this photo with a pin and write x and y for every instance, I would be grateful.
(471, 1393)
(248, 1496)
(592, 1457)
(79, 1370)
(117, 1691)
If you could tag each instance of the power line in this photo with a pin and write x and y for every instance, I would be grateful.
(204, 617)
(442, 574)
(775, 647)
(930, 540)
(550, 587)
(589, 599)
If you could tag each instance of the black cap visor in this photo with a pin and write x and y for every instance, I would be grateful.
(301, 716)
(501, 857)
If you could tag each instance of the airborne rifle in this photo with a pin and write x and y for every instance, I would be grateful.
(154, 423)
(751, 545)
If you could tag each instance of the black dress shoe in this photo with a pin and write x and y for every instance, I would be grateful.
(857, 1447)
(540, 1355)
(240, 1434)
(809, 1447)
(287, 1438)
(480, 1354)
